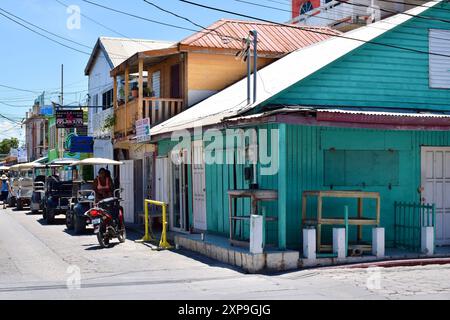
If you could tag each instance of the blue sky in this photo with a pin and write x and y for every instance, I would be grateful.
(31, 62)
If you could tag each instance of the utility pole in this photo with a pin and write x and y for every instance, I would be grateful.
(254, 34)
(60, 131)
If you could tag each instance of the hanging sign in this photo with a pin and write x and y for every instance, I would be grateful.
(66, 119)
(143, 130)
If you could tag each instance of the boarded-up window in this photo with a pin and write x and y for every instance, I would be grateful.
(361, 168)
(439, 64)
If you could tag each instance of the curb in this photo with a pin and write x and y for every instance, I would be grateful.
(395, 263)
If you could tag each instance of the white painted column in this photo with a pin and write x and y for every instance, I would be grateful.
(427, 240)
(378, 242)
(309, 243)
(339, 242)
(256, 234)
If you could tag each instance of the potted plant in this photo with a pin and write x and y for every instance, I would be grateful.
(148, 93)
(109, 123)
(135, 91)
(121, 96)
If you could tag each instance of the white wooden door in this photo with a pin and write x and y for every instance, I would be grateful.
(162, 180)
(198, 185)
(436, 188)
(127, 184)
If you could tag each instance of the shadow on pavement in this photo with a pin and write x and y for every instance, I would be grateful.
(58, 221)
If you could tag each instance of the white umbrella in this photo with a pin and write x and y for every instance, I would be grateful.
(4, 168)
(97, 161)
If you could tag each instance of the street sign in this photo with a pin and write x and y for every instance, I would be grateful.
(46, 111)
(81, 144)
(143, 130)
(66, 119)
(22, 156)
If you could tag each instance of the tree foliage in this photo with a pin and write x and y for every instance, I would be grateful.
(7, 144)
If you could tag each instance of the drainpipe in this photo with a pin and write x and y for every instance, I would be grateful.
(255, 62)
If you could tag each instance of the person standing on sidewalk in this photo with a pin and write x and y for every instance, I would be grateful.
(4, 190)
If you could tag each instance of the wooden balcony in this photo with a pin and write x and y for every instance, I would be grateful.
(126, 116)
(161, 109)
(157, 109)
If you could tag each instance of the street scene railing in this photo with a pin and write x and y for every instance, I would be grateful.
(409, 220)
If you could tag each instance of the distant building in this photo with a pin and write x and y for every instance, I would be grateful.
(346, 15)
(36, 139)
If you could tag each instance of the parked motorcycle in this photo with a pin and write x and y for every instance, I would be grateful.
(108, 221)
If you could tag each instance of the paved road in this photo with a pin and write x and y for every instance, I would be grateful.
(39, 261)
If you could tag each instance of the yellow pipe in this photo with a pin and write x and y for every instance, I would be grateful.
(163, 243)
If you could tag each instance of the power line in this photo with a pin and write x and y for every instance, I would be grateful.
(45, 30)
(313, 30)
(106, 27)
(333, 20)
(43, 35)
(139, 17)
(191, 21)
(395, 12)
(17, 89)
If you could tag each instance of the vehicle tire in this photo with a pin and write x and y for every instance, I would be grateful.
(50, 216)
(19, 204)
(79, 224)
(102, 240)
(122, 235)
(69, 220)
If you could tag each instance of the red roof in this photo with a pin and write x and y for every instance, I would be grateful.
(273, 38)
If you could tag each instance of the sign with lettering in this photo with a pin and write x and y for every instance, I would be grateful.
(143, 130)
(66, 119)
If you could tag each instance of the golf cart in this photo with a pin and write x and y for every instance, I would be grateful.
(84, 197)
(38, 195)
(58, 191)
(22, 185)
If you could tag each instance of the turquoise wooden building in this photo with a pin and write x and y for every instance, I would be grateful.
(365, 111)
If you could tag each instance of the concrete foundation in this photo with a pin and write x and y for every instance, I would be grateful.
(219, 249)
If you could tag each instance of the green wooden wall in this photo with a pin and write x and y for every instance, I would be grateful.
(377, 76)
(306, 148)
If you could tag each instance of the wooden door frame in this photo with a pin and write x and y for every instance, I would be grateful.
(183, 198)
(200, 142)
(423, 150)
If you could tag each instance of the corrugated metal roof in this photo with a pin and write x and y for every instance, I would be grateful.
(117, 50)
(282, 74)
(224, 34)
(384, 113)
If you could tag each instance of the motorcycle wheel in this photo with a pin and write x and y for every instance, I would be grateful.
(102, 240)
(69, 220)
(50, 216)
(122, 235)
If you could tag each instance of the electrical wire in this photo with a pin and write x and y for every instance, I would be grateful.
(343, 36)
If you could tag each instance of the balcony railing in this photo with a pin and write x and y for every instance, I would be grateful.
(97, 124)
(126, 116)
(157, 109)
(161, 109)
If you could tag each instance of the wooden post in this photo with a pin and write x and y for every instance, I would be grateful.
(115, 104)
(282, 185)
(127, 94)
(360, 214)
(141, 88)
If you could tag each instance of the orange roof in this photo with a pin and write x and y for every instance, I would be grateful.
(273, 38)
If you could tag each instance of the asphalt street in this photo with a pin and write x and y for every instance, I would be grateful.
(39, 261)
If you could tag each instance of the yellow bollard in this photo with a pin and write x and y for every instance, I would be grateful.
(148, 234)
(163, 243)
